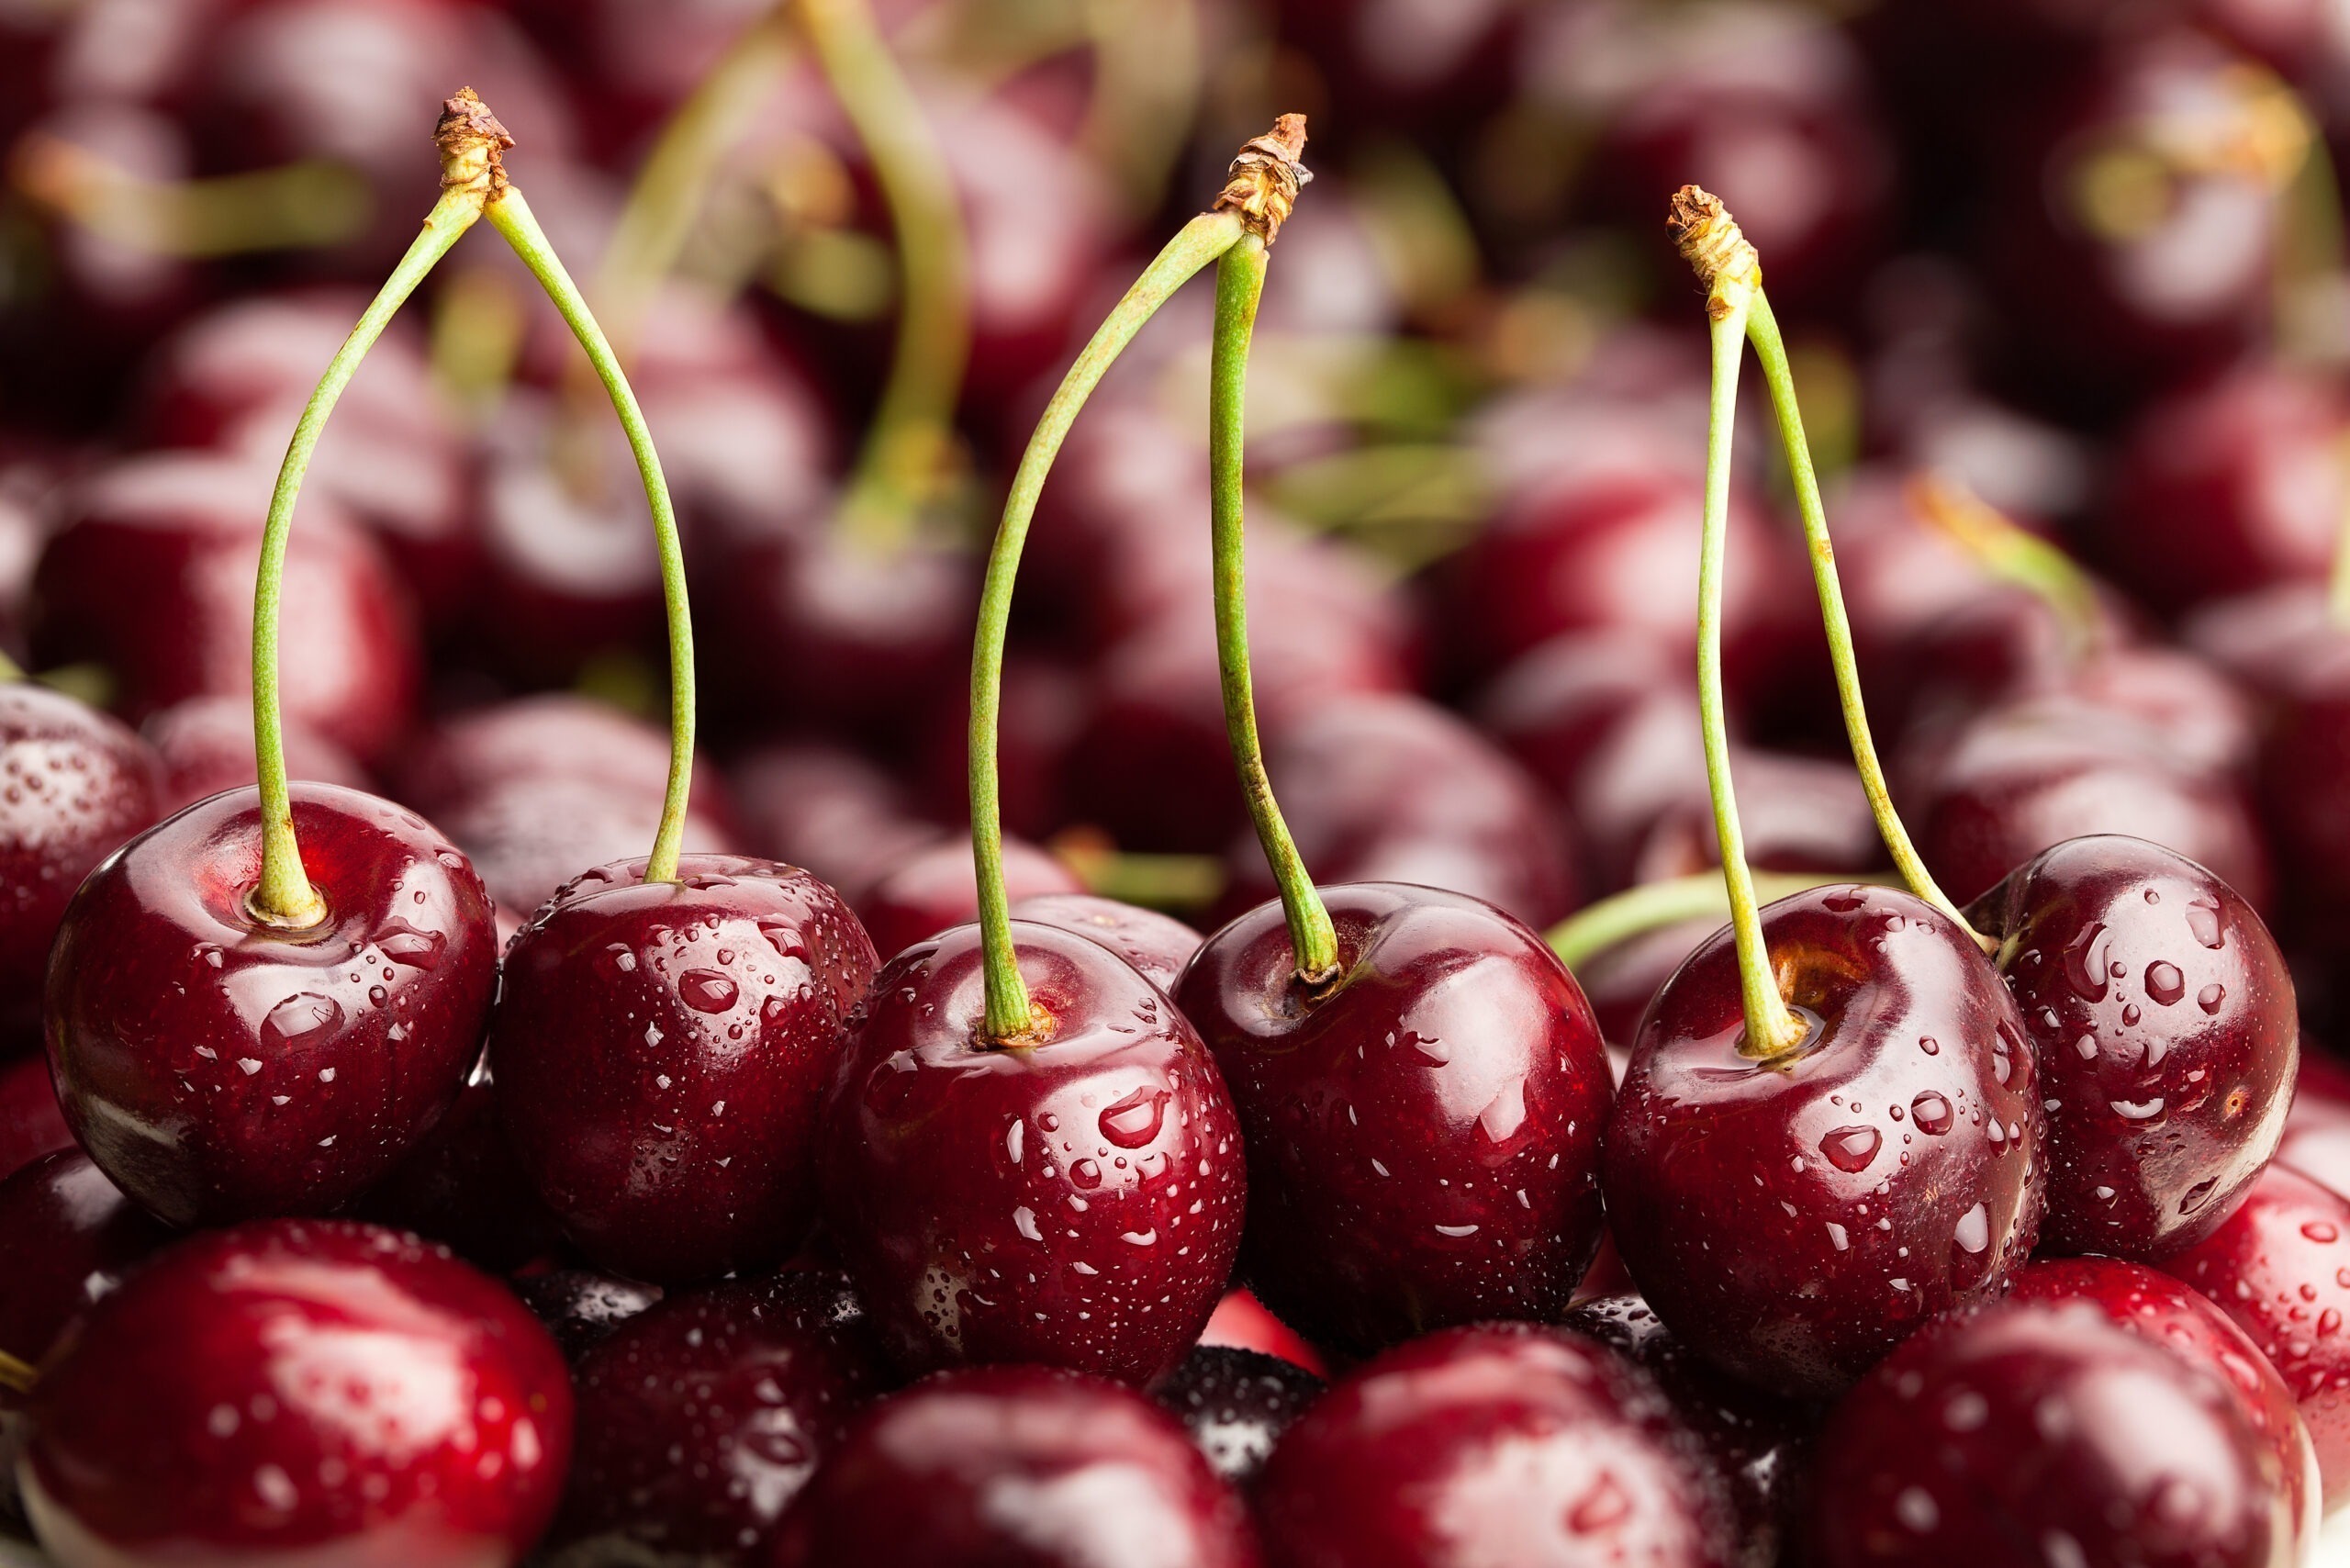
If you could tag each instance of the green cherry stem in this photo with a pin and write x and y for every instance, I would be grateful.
(9, 668)
(2337, 586)
(2012, 555)
(1701, 895)
(511, 216)
(1771, 353)
(913, 431)
(1241, 283)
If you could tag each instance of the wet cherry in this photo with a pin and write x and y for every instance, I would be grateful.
(932, 887)
(1236, 1404)
(70, 1236)
(1423, 1126)
(1154, 945)
(582, 1309)
(31, 1124)
(661, 1049)
(2162, 1020)
(217, 1067)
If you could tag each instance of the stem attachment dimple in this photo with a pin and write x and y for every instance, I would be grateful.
(1241, 282)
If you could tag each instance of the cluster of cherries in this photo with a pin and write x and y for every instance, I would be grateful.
(399, 1164)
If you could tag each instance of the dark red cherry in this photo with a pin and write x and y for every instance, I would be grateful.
(1422, 1129)
(829, 810)
(1793, 1220)
(582, 1309)
(2031, 1433)
(31, 1123)
(1153, 945)
(1040, 708)
(151, 574)
(661, 1049)
(700, 1418)
(2317, 1129)
(2164, 1311)
(934, 886)
(1236, 1404)
(206, 746)
(2161, 1017)
(2277, 1268)
(1076, 1202)
(2302, 782)
(1800, 814)
(1102, 1474)
(1622, 981)
(462, 1187)
(1390, 788)
(70, 1236)
(553, 736)
(1498, 1443)
(74, 785)
(309, 1390)
(218, 1067)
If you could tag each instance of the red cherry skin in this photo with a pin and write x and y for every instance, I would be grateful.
(31, 1122)
(206, 746)
(1497, 1443)
(2027, 1432)
(1423, 1129)
(1236, 1404)
(70, 1236)
(2166, 1311)
(934, 886)
(462, 1187)
(218, 1068)
(552, 735)
(2317, 1129)
(2277, 1268)
(74, 785)
(701, 1418)
(1153, 945)
(1792, 1222)
(1103, 1476)
(299, 1390)
(1075, 1203)
(2160, 1018)
(660, 1051)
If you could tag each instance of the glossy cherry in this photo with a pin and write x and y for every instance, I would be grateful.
(552, 735)
(933, 887)
(581, 1307)
(31, 1123)
(1793, 1220)
(206, 744)
(216, 1067)
(2165, 1311)
(661, 1049)
(305, 1389)
(1236, 1404)
(1755, 1442)
(1499, 1443)
(1103, 1475)
(1422, 1129)
(2277, 1267)
(700, 1418)
(1075, 1202)
(2161, 1016)
(1153, 945)
(2026, 1431)
(74, 785)
(70, 1236)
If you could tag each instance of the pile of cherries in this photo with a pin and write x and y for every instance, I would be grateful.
(990, 1128)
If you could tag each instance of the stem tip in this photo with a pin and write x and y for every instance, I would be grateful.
(471, 140)
(1712, 244)
(1263, 182)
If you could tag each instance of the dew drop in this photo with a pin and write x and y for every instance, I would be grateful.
(2085, 968)
(707, 990)
(1931, 1112)
(1850, 1149)
(2164, 984)
(1134, 1121)
(404, 943)
(2210, 997)
(302, 1019)
(1974, 1232)
(2203, 920)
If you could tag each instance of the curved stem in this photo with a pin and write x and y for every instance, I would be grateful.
(1594, 928)
(511, 216)
(285, 897)
(1771, 353)
(1770, 1029)
(1009, 1015)
(299, 205)
(1240, 280)
(913, 427)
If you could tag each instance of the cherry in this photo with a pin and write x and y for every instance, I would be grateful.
(217, 1066)
(1074, 1201)
(71, 1236)
(1153, 945)
(206, 744)
(582, 1309)
(1754, 1441)
(2300, 777)
(74, 785)
(933, 887)
(1392, 788)
(701, 1418)
(1621, 981)
(1236, 1404)
(2161, 1017)
(31, 1124)
(2317, 1129)
(1799, 813)
(305, 1387)
(1241, 1323)
(2274, 1268)
(1886, 1169)
(920, 1477)
(462, 1187)
(151, 573)
(1044, 704)
(2164, 1311)
(554, 735)
(828, 810)
(2003, 1435)
(1503, 1443)
(1422, 1125)
(661, 1051)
